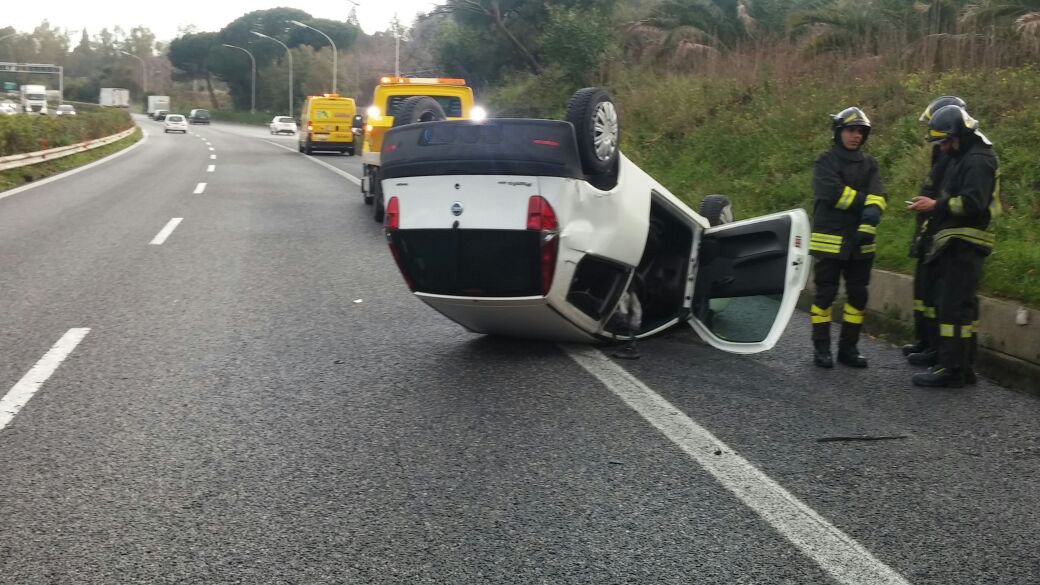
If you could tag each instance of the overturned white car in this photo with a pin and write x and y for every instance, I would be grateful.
(543, 229)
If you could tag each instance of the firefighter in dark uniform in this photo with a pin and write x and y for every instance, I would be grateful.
(924, 351)
(961, 240)
(848, 200)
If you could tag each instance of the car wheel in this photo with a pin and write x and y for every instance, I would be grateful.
(299, 145)
(717, 209)
(307, 147)
(597, 128)
(416, 109)
(376, 188)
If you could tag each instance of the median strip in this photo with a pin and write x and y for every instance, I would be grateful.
(166, 231)
(24, 389)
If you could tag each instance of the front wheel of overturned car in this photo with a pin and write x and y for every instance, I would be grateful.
(717, 209)
(597, 127)
(419, 108)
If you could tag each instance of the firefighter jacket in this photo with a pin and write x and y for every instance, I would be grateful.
(844, 183)
(921, 241)
(968, 200)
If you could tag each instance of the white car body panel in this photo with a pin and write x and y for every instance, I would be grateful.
(608, 228)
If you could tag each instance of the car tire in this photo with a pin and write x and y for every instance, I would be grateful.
(367, 194)
(307, 147)
(717, 209)
(376, 188)
(417, 109)
(299, 146)
(597, 128)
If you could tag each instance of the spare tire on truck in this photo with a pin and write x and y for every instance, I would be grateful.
(597, 128)
(419, 108)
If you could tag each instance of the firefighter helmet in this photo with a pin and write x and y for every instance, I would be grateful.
(950, 121)
(939, 103)
(850, 117)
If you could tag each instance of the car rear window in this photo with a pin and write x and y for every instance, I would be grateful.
(284, 120)
(452, 105)
(471, 263)
(175, 118)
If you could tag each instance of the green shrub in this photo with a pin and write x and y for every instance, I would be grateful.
(25, 133)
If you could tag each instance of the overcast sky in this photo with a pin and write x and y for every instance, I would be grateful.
(163, 18)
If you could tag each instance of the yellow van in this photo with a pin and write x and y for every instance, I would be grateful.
(455, 101)
(326, 123)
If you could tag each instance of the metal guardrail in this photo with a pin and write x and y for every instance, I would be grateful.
(30, 158)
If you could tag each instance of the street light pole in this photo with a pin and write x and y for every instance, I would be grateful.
(334, 51)
(397, 46)
(252, 101)
(144, 72)
(287, 52)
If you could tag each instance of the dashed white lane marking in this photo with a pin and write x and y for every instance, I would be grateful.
(211, 148)
(343, 173)
(41, 182)
(212, 157)
(199, 189)
(166, 231)
(24, 389)
(211, 168)
(833, 550)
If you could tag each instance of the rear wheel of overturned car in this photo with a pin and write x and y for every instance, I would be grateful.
(717, 209)
(416, 109)
(597, 128)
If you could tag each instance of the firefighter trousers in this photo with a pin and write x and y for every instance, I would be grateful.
(828, 274)
(926, 328)
(960, 272)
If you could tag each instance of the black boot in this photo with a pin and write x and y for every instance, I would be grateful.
(850, 356)
(939, 378)
(917, 347)
(929, 358)
(822, 354)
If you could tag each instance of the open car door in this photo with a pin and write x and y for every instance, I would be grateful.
(749, 276)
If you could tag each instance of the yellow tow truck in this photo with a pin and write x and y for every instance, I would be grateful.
(406, 100)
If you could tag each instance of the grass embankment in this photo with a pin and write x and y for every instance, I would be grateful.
(17, 177)
(256, 119)
(755, 142)
(25, 133)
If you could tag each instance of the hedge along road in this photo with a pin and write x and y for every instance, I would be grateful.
(259, 398)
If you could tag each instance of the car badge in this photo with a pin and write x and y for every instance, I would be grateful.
(456, 208)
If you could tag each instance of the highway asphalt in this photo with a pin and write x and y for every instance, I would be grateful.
(259, 399)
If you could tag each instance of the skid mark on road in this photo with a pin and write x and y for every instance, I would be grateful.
(340, 172)
(834, 551)
(24, 389)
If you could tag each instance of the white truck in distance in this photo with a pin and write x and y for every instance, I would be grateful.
(34, 99)
(157, 102)
(114, 97)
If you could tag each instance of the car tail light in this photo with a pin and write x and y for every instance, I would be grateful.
(310, 127)
(392, 221)
(393, 214)
(541, 217)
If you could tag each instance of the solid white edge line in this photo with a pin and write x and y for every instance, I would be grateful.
(24, 389)
(166, 231)
(343, 173)
(835, 552)
(199, 189)
(69, 173)
(211, 168)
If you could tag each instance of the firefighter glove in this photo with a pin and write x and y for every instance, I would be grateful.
(871, 215)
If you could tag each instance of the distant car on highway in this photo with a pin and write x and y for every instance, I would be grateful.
(198, 117)
(543, 229)
(175, 123)
(160, 115)
(8, 108)
(65, 110)
(280, 124)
